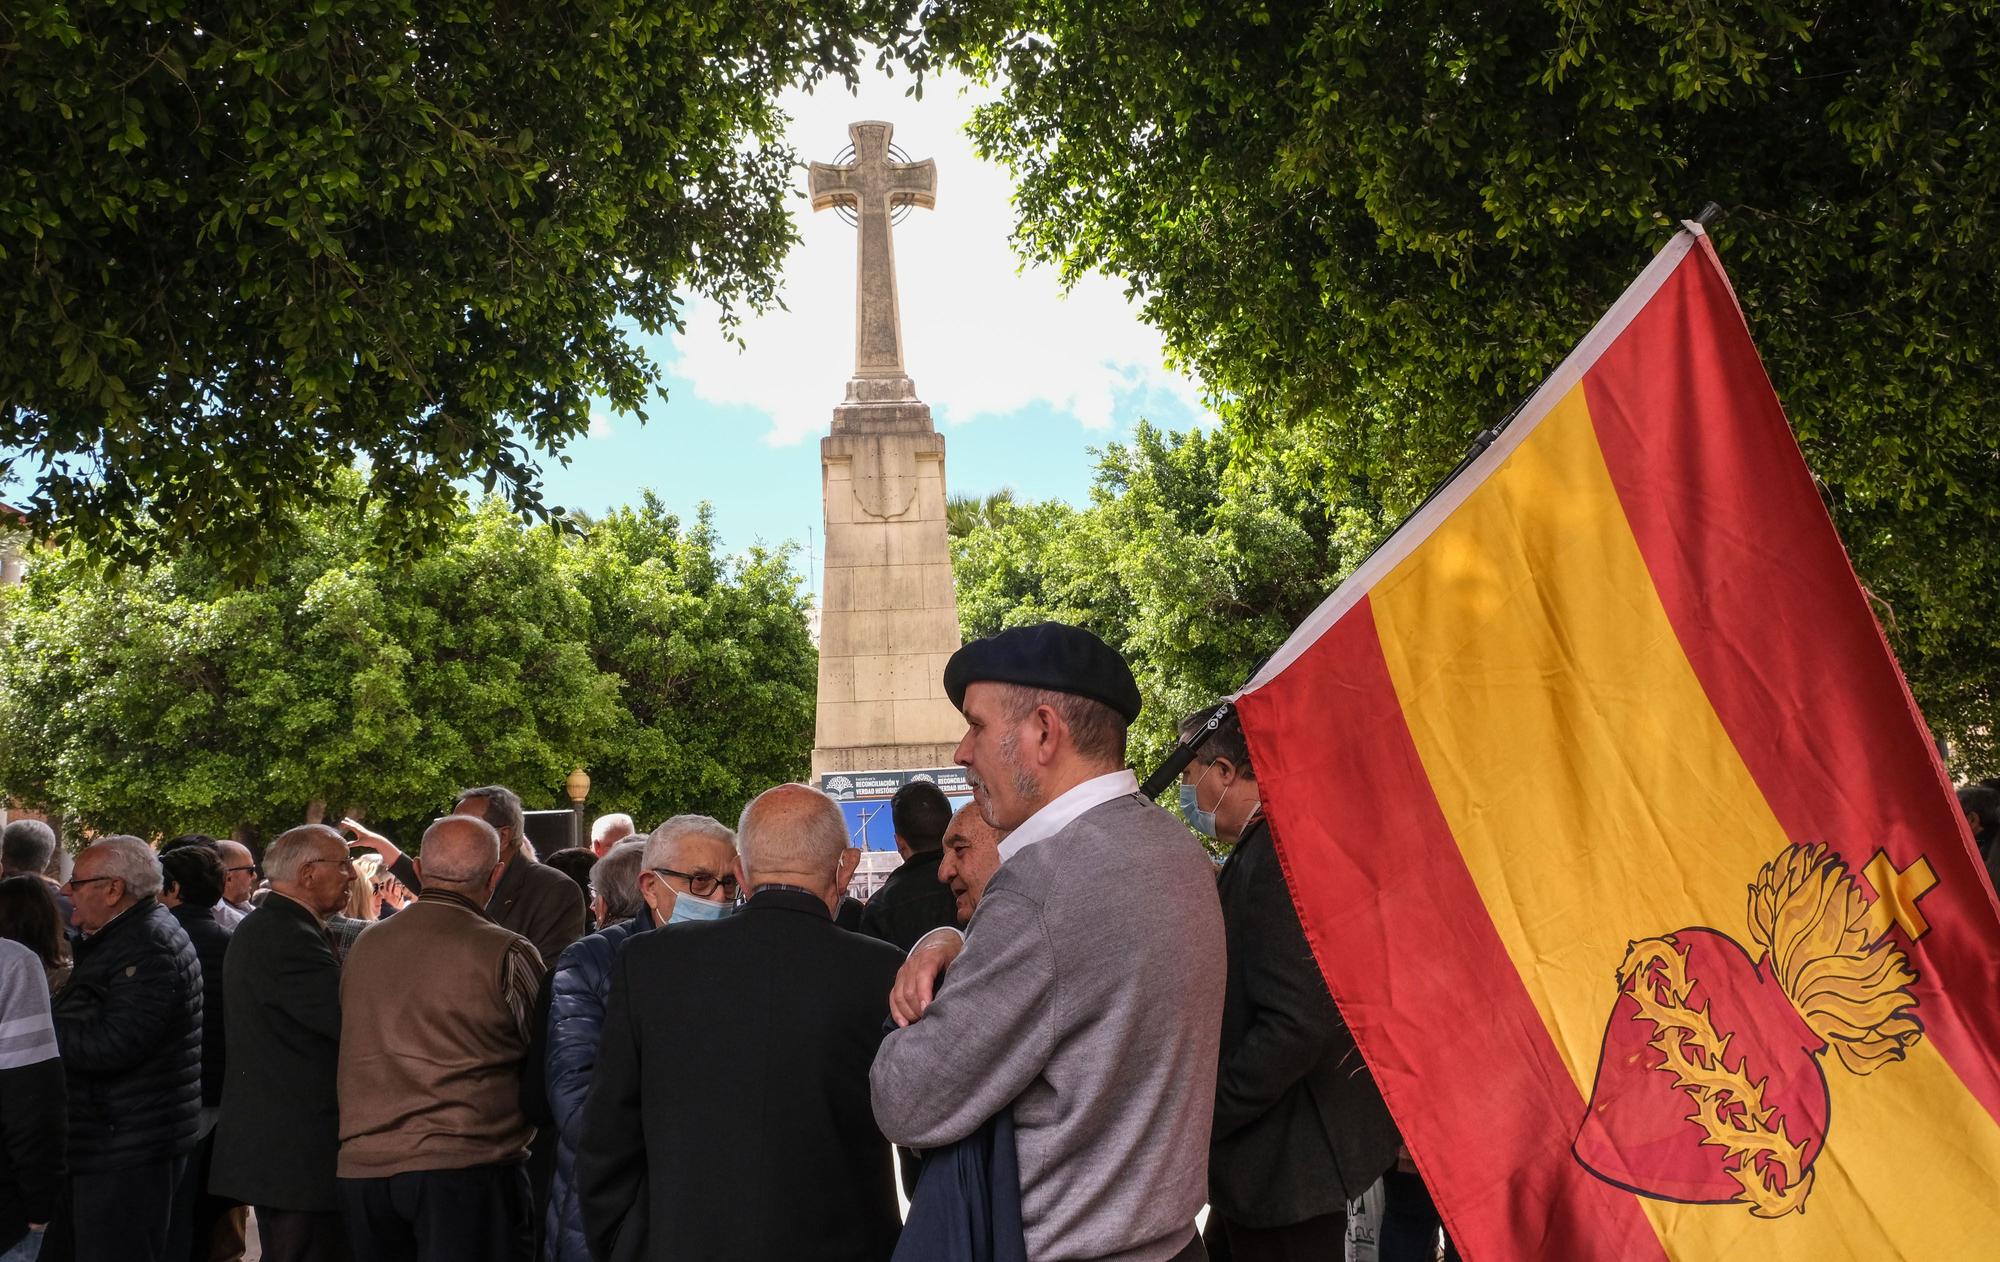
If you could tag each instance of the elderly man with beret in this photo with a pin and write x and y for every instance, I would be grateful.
(1087, 989)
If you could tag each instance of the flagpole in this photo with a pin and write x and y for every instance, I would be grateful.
(1183, 752)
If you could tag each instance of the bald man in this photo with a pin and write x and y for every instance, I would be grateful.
(239, 881)
(728, 1116)
(971, 857)
(279, 1134)
(437, 1009)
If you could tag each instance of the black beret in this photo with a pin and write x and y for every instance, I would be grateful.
(1049, 655)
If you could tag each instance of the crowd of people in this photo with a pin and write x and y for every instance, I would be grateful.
(690, 1043)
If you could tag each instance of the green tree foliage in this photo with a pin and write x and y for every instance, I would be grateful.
(1373, 228)
(1195, 559)
(245, 243)
(168, 698)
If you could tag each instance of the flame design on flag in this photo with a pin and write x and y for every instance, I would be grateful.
(1813, 923)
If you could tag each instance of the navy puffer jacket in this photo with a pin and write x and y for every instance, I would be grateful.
(129, 1026)
(582, 986)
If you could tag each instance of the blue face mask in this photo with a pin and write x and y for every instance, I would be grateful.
(689, 908)
(1201, 821)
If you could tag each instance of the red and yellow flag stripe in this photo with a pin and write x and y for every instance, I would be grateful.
(1580, 702)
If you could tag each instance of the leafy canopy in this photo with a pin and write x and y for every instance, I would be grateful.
(246, 243)
(1371, 229)
(168, 699)
(1195, 559)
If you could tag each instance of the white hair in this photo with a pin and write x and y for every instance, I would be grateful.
(661, 843)
(615, 879)
(607, 824)
(287, 856)
(131, 861)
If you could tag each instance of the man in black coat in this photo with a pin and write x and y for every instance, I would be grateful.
(1300, 1128)
(129, 1025)
(194, 880)
(912, 902)
(280, 1130)
(728, 1118)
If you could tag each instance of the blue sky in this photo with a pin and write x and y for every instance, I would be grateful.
(1022, 379)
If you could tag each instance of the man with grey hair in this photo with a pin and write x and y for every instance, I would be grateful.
(774, 1006)
(614, 884)
(28, 847)
(693, 848)
(129, 1026)
(280, 1129)
(689, 871)
(610, 830)
(437, 1015)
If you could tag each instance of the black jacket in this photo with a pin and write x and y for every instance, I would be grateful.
(129, 1025)
(1300, 1128)
(211, 942)
(280, 1128)
(728, 1119)
(911, 903)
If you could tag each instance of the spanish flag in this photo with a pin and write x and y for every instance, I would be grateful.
(1621, 843)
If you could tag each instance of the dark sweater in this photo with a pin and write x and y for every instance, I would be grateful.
(911, 903)
(211, 942)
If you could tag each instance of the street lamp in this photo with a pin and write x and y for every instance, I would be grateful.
(578, 788)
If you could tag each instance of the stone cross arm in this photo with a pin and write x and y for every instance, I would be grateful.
(873, 186)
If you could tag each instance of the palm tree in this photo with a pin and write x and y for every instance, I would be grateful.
(964, 514)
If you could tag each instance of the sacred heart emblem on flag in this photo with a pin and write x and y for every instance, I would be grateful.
(1710, 1087)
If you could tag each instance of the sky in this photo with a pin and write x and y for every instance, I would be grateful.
(1022, 379)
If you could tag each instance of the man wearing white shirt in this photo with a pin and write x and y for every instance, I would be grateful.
(239, 881)
(1086, 992)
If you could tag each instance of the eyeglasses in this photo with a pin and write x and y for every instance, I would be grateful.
(700, 884)
(343, 862)
(251, 867)
(77, 884)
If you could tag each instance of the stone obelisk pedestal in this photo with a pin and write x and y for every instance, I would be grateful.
(888, 617)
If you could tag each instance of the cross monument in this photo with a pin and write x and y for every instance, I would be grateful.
(888, 616)
(873, 186)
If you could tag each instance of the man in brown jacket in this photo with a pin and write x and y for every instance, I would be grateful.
(437, 1009)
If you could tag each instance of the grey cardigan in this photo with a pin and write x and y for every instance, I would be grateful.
(1089, 997)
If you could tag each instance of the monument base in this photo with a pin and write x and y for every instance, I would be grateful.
(827, 762)
(888, 615)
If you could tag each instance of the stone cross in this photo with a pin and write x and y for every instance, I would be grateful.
(874, 186)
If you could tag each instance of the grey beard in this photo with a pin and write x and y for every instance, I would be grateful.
(1025, 783)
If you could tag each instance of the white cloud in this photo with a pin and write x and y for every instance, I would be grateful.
(600, 423)
(980, 338)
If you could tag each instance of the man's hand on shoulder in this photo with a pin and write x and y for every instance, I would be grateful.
(916, 981)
